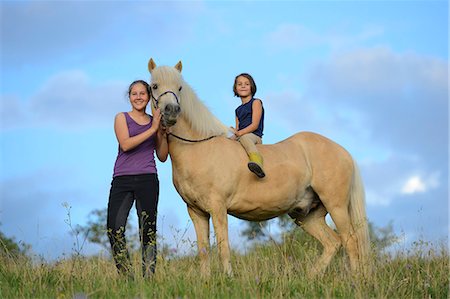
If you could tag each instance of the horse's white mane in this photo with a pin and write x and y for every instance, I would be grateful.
(192, 108)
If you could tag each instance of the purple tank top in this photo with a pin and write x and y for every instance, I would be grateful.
(141, 159)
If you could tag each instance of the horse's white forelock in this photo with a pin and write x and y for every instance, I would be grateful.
(192, 108)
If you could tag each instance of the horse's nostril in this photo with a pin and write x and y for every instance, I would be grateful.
(172, 109)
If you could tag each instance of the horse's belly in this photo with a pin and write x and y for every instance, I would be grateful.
(255, 215)
(254, 210)
(257, 209)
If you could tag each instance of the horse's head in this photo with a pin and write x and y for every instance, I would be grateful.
(166, 85)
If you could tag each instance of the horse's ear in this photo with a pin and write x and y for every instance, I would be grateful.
(151, 65)
(179, 66)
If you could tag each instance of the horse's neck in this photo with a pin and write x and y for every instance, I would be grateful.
(184, 129)
(196, 122)
(180, 151)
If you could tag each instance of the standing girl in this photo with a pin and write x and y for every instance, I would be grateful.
(249, 121)
(135, 178)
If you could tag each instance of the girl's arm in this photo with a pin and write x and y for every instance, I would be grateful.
(237, 123)
(126, 142)
(256, 117)
(162, 147)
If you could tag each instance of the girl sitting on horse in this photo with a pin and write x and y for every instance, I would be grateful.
(249, 121)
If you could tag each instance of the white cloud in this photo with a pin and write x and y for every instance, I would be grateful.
(50, 32)
(381, 72)
(397, 178)
(413, 185)
(418, 184)
(384, 106)
(392, 100)
(401, 98)
(69, 99)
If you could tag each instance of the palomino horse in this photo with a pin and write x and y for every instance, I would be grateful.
(307, 176)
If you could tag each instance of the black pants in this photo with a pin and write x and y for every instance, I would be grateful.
(144, 189)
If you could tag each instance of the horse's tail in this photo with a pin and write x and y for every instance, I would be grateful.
(359, 219)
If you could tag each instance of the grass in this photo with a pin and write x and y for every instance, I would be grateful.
(268, 271)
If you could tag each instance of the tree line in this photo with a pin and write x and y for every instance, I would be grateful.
(94, 231)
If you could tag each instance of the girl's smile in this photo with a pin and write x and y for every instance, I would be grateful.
(139, 97)
(243, 87)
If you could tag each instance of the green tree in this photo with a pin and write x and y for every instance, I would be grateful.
(380, 237)
(10, 247)
(257, 230)
(95, 230)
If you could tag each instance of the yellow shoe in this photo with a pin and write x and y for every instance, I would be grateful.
(255, 164)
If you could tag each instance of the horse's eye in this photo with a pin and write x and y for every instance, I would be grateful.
(155, 86)
(179, 89)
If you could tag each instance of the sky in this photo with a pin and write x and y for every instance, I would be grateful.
(370, 75)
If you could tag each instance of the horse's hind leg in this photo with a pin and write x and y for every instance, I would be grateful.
(341, 219)
(201, 225)
(314, 224)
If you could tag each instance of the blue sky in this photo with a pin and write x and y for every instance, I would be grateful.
(371, 75)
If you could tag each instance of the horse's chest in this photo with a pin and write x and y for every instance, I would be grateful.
(191, 190)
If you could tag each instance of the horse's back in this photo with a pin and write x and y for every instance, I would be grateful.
(318, 159)
(309, 138)
(310, 145)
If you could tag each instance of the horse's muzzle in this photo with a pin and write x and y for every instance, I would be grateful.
(170, 114)
(168, 122)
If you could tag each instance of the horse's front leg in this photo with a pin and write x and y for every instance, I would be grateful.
(220, 222)
(201, 225)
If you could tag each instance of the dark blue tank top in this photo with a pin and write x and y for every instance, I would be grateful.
(244, 115)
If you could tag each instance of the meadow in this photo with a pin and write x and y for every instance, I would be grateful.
(268, 270)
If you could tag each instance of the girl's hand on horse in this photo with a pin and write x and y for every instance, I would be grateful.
(164, 131)
(156, 119)
(232, 133)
